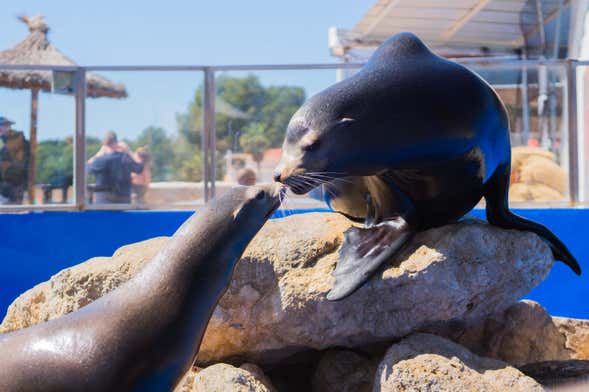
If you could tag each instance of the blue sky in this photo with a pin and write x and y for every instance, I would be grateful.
(165, 33)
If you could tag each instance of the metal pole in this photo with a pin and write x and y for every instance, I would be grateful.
(213, 139)
(33, 146)
(209, 134)
(80, 140)
(573, 129)
(525, 105)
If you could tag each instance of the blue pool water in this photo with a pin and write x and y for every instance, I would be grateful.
(35, 246)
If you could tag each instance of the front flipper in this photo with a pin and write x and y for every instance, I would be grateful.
(363, 251)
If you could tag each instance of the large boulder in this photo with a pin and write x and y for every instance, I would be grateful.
(424, 362)
(535, 176)
(227, 378)
(576, 333)
(344, 371)
(276, 303)
(522, 334)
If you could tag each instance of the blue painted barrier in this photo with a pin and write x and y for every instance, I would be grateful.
(36, 245)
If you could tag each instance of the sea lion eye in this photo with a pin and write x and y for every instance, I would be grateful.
(346, 120)
(260, 195)
(312, 147)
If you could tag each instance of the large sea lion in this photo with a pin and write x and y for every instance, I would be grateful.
(144, 335)
(412, 141)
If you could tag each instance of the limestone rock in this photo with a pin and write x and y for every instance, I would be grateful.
(522, 334)
(576, 333)
(424, 362)
(276, 303)
(185, 385)
(226, 378)
(343, 371)
(533, 192)
(557, 373)
(535, 176)
(258, 373)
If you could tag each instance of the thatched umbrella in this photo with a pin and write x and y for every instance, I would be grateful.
(37, 50)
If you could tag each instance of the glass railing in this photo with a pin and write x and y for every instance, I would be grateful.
(179, 135)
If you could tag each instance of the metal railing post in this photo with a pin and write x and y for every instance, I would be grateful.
(208, 138)
(525, 105)
(80, 140)
(571, 72)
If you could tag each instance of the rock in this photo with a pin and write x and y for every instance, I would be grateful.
(558, 372)
(524, 333)
(258, 373)
(276, 304)
(343, 371)
(535, 176)
(424, 362)
(185, 385)
(576, 334)
(534, 192)
(226, 378)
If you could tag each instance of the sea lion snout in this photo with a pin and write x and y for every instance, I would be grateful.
(295, 180)
(270, 195)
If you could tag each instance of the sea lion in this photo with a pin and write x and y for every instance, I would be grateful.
(410, 142)
(144, 335)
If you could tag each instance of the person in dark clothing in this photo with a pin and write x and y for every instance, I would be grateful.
(113, 176)
(112, 165)
(14, 163)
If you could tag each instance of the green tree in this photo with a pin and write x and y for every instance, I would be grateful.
(93, 144)
(186, 160)
(160, 149)
(55, 161)
(270, 106)
(280, 104)
(255, 141)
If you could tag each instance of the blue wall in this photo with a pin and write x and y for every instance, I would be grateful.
(35, 246)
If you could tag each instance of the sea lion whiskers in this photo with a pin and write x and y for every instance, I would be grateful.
(298, 183)
(325, 178)
(313, 180)
(326, 185)
(284, 202)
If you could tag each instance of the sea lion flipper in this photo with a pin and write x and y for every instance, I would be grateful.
(363, 251)
(498, 214)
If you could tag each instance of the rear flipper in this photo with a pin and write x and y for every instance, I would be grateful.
(363, 251)
(498, 214)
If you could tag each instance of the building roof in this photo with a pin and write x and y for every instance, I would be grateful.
(459, 28)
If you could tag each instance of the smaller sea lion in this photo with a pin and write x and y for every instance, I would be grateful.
(144, 335)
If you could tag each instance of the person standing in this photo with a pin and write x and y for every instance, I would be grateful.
(112, 166)
(141, 181)
(14, 163)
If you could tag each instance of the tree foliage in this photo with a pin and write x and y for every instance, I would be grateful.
(272, 107)
(250, 117)
(55, 159)
(161, 151)
(254, 141)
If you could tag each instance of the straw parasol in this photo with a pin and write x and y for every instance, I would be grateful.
(37, 50)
